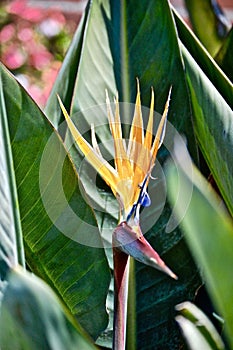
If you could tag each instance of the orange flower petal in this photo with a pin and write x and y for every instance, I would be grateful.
(159, 137)
(136, 136)
(149, 129)
(106, 171)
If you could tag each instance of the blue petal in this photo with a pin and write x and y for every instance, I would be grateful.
(146, 201)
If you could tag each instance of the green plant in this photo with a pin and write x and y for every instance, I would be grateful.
(41, 194)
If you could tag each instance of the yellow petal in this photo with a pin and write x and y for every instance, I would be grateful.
(94, 141)
(110, 115)
(149, 129)
(146, 157)
(121, 159)
(136, 136)
(122, 162)
(106, 171)
(144, 153)
(160, 131)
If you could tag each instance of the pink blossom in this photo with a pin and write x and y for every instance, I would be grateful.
(57, 16)
(14, 57)
(7, 33)
(37, 94)
(40, 58)
(25, 34)
(49, 77)
(20, 8)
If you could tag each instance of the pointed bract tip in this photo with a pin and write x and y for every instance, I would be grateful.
(59, 99)
(130, 240)
(138, 100)
(152, 92)
(169, 93)
(164, 268)
(106, 96)
(171, 274)
(116, 98)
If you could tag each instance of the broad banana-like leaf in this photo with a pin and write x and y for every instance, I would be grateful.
(205, 61)
(209, 23)
(111, 57)
(224, 55)
(213, 123)
(11, 245)
(121, 42)
(65, 85)
(61, 237)
(209, 233)
(33, 318)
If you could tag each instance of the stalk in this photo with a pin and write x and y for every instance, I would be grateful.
(121, 275)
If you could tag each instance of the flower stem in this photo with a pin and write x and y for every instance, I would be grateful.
(121, 275)
(131, 309)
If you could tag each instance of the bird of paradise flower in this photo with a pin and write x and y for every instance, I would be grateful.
(128, 181)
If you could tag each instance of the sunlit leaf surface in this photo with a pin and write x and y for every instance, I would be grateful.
(55, 219)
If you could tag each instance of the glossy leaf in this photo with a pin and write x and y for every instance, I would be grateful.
(201, 56)
(208, 22)
(209, 233)
(65, 84)
(11, 249)
(33, 318)
(115, 50)
(118, 65)
(213, 126)
(224, 55)
(56, 221)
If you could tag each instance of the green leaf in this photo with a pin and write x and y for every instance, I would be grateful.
(224, 55)
(65, 83)
(11, 247)
(61, 238)
(213, 126)
(32, 317)
(113, 56)
(204, 60)
(193, 320)
(123, 41)
(157, 295)
(209, 234)
(208, 22)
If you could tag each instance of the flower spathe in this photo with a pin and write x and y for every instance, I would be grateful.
(128, 180)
